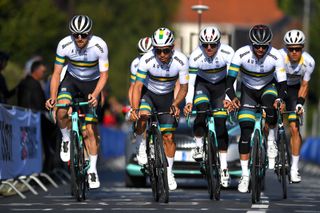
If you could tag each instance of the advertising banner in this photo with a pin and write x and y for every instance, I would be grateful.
(20, 142)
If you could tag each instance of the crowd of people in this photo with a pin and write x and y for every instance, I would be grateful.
(162, 78)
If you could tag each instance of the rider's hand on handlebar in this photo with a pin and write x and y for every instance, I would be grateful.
(279, 103)
(228, 105)
(134, 115)
(50, 103)
(187, 109)
(299, 109)
(92, 100)
(174, 110)
(236, 103)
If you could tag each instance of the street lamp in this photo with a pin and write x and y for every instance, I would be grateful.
(199, 8)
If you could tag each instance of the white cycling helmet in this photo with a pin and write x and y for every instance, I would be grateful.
(162, 37)
(144, 45)
(210, 35)
(80, 24)
(294, 37)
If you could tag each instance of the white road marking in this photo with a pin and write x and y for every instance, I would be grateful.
(47, 209)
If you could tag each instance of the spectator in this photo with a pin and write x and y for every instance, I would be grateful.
(30, 92)
(32, 96)
(4, 92)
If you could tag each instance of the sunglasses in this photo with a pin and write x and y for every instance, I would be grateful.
(297, 49)
(211, 45)
(165, 51)
(257, 46)
(83, 35)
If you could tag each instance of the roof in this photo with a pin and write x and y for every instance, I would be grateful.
(236, 12)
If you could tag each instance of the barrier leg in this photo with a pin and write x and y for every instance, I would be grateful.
(22, 180)
(49, 179)
(56, 174)
(37, 180)
(14, 188)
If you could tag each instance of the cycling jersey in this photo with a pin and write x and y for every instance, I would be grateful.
(298, 71)
(134, 69)
(86, 63)
(212, 69)
(160, 78)
(257, 73)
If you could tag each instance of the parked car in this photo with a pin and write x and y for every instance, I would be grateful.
(184, 165)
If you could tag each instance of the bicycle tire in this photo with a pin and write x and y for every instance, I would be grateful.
(282, 158)
(208, 165)
(216, 167)
(255, 180)
(72, 166)
(76, 167)
(82, 176)
(152, 167)
(161, 167)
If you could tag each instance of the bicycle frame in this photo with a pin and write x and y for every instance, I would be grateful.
(78, 165)
(210, 164)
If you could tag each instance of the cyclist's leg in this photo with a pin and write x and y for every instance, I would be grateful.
(217, 93)
(66, 91)
(268, 97)
(201, 103)
(168, 125)
(246, 117)
(145, 108)
(295, 139)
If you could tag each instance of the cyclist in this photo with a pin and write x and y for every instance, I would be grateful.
(144, 45)
(156, 77)
(208, 65)
(87, 74)
(257, 62)
(299, 66)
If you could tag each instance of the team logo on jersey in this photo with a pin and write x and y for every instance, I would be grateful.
(106, 65)
(199, 92)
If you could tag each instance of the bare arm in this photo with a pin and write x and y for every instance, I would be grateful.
(303, 91)
(130, 91)
(101, 83)
(181, 94)
(136, 94)
(55, 81)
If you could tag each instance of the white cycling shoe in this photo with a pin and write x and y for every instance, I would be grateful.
(272, 153)
(197, 153)
(171, 181)
(93, 180)
(295, 176)
(142, 155)
(225, 178)
(65, 151)
(243, 184)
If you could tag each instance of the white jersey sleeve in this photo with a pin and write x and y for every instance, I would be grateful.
(103, 57)
(309, 67)
(280, 71)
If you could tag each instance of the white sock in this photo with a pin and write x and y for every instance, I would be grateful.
(295, 161)
(65, 134)
(271, 136)
(244, 167)
(223, 160)
(199, 141)
(170, 164)
(93, 163)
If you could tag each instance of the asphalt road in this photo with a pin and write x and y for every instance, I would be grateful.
(191, 196)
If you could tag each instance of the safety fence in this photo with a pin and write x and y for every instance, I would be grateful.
(20, 150)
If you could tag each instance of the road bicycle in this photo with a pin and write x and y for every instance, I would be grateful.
(78, 164)
(156, 167)
(210, 163)
(283, 159)
(258, 163)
